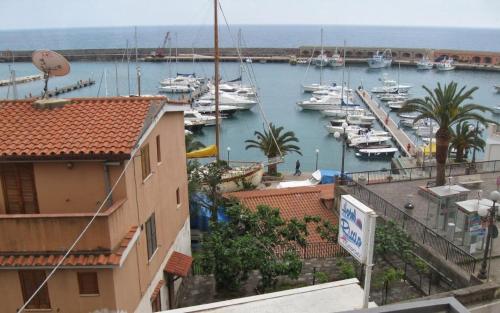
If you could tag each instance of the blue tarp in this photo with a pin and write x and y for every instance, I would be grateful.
(328, 176)
(199, 209)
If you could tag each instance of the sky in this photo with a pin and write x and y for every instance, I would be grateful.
(27, 14)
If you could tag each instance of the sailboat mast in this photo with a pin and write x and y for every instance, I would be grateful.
(216, 80)
(321, 61)
(137, 67)
(343, 72)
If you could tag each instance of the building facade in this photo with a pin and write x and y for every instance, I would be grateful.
(58, 162)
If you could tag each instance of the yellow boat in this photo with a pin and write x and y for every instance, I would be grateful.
(207, 152)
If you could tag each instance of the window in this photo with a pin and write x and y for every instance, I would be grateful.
(146, 166)
(158, 149)
(87, 283)
(178, 195)
(18, 183)
(151, 235)
(30, 281)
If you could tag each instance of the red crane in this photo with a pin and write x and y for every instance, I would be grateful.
(160, 52)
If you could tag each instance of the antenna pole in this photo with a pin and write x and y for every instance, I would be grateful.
(116, 79)
(128, 68)
(216, 83)
(321, 61)
(137, 67)
(45, 88)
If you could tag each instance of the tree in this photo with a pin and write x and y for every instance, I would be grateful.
(272, 142)
(390, 239)
(445, 105)
(192, 144)
(385, 279)
(463, 138)
(253, 240)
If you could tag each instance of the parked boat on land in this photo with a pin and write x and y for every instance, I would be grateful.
(381, 59)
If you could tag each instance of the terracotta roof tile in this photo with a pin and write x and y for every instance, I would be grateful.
(76, 259)
(85, 126)
(296, 202)
(178, 264)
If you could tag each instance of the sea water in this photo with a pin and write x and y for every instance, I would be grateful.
(279, 89)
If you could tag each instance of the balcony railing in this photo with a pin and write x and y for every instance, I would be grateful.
(56, 232)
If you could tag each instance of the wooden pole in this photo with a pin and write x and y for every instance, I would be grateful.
(216, 79)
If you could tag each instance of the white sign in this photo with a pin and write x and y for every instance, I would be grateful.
(354, 232)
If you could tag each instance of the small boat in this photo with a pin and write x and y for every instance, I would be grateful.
(315, 87)
(343, 112)
(366, 140)
(390, 86)
(447, 64)
(393, 97)
(225, 98)
(496, 110)
(176, 89)
(336, 60)
(425, 64)
(395, 105)
(360, 120)
(329, 102)
(337, 122)
(406, 122)
(193, 126)
(351, 136)
(408, 115)
(380, 59)
(497, 88)
(248, 60)
(351, 129)
(321, 60)
(195, 116)
(209, 109)
(375, 153)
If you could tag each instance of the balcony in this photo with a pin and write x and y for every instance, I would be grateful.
(56, 232)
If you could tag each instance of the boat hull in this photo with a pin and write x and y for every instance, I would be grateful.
(237, 181)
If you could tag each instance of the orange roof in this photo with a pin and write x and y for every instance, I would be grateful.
(75, 259)
(178, 264)
(82, 127)
(296, 202)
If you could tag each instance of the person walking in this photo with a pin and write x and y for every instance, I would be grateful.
(297, 169)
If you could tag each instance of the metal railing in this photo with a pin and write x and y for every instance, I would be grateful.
(317, 250)
(423, 172)
(418, 231)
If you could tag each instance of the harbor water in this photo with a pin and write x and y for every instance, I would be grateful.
(279, 87)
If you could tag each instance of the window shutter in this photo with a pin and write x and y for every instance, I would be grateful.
(18, 183)
(88, 283)
(30, 281)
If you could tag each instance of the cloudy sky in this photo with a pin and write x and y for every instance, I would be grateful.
(17, 14)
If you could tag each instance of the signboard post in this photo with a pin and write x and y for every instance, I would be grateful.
(357, 235)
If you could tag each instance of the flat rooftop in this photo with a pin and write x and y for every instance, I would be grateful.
(343, 295)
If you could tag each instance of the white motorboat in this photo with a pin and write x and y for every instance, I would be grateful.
(406, 122)
(368, 140)
(496, 110)
(321, 60)
(393, 97)
(181, 80)
(324, 103)
(343, 111)
(350, 129)
(447, 64)
(332, 89)
(425, 64)
(248, 60)
(336, 60)
(360, 133)
(176, 89)
(193, 115)
(193, 126)
(497, 88)
(390, 86)
(360, 120)
(208, 108)
(376, 153)
(395, 105)
(408, 115)
(381, 59)
(237, 89)
(225, 98)
(315, 87)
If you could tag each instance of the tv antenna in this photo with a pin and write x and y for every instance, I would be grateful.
(51, 64)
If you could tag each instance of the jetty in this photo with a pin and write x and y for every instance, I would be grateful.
(68, 88)
(20, 80)
(400, 137)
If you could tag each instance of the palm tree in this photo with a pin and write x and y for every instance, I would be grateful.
(272, 142)
(446, 107)
(192, 144)
(463, 138)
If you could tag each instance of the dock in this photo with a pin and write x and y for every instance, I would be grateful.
(68, 88)
(20, 80)
(399, 136)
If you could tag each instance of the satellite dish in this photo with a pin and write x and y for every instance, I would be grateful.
(51, 64)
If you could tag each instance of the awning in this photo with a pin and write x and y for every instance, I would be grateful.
(178, 264)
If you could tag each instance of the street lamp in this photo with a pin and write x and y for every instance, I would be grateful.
(344, 139)
(317, 156)
(228, 151)
(490, 214)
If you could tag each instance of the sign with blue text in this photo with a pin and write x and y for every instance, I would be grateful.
(354, 232)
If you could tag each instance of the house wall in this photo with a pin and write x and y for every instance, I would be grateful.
(80, 189)
(63, 292)
(157, 193)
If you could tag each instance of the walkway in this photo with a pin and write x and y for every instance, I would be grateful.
(399, 136)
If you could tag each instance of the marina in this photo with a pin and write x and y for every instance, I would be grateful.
(279, 88)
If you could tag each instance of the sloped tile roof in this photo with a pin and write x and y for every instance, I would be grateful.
(179, 264)
(82, 127)
(77, 259)
(296, 202)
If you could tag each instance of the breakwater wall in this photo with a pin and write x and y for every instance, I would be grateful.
(469, 60)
